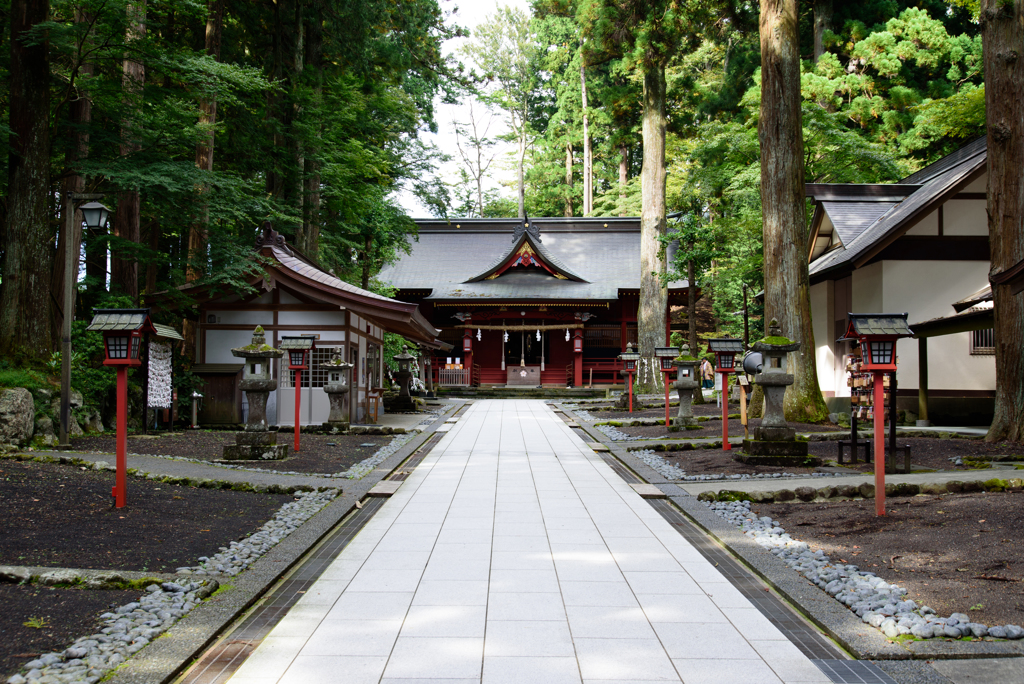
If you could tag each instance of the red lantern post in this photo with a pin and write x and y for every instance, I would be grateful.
(299, 349)
(122, 338)
(666, 355)
(726, 350)
(877, 334)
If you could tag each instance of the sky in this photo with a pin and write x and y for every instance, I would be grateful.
(467, 13)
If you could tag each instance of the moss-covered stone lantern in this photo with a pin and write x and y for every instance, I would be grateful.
(337, 388)
(774, 441)
(256, 442)
(686, 382)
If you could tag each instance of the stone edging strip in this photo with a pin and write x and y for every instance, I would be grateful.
(166, 658)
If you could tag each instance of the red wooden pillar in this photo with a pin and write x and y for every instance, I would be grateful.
(577, 361)
(467, 352)
(120, 489)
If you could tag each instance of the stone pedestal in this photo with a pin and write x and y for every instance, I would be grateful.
(404, 401)
(336, 393)
(684, 416)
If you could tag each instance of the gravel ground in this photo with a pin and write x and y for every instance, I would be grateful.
(319, 453)
(955, 553)
(713, 428)
(65, 615)
(61, 516)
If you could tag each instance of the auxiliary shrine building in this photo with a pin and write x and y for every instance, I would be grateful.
(550, 301)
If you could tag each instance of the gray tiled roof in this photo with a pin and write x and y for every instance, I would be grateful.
(899, 217)
(297, 265)
(605, 255)
(118, 319)
(543, 252)
(880, 324)
(167, 332)
(972, 150)
(853, 218)
(725, 344)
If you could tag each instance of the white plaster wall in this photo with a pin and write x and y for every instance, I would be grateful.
(314, 407)
(867, 284)
(926, 290)
(965, 217)
(311, 318)
(929, 225)
(252, 318)
(288, 299)
(220, 342)
(821, 324)
(356, 322)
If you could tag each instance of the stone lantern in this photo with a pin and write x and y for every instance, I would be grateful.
(404, 402)
(685, 384)
(257, 442)
(336, 388)
(774, 441)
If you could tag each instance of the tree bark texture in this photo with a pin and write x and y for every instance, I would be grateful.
(623, 177)
(780, 132)
(28, 240)
(822, 22)
(568, 179)
(588, 153)
(653, 292)
(80, 114)
(124, 266)
(1002, 35)
(310, 245)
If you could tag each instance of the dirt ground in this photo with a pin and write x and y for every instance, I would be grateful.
(318, 454)
(955, 553)
(58, 616)
(711, 428)
(61, 516)
(932, 453)
(716, 461)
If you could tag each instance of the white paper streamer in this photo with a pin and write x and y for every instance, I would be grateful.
(159, 375)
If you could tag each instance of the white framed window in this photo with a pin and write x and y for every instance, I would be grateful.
(316, 375)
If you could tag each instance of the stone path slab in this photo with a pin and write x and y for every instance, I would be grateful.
(513, 553)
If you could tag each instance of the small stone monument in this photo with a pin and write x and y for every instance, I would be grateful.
(774, 441)
(336, 389)
(404, 401)
(685, 383)
(257, 442)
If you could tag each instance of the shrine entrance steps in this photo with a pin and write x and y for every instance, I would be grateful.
(503, 392)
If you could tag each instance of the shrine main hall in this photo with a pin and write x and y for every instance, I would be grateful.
(528, 302)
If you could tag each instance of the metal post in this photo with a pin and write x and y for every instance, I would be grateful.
(120, 491)
(725, 413)
(879, 411)
(746, 319)
(298, 400)
(70, 281)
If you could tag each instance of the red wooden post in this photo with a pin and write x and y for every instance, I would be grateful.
(725, 413)
(879, 444)
(298, 401)
(120, 490)
(577, 370)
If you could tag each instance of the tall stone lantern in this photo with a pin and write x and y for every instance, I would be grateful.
(685, 384)
(336, 388)
(774, 441)
(257, 442)
(404, 402)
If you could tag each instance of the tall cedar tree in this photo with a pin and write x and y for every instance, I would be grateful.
(648, 34)
(1002, 33)
(780, 131)
(28, 252)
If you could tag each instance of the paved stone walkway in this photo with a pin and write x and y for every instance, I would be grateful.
(513, 553)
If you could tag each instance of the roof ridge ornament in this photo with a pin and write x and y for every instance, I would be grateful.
(526, 226)
(270, 237)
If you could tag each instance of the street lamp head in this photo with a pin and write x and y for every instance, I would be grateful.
(95, 214)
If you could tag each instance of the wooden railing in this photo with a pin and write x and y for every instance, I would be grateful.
(454, 377)
(474, 379)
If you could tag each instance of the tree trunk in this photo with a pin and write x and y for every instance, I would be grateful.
(80, 115)
(783, 211)
(124, 265)
(822, 22)
(691, 321)
(623, 177)
(521, 178)
(365, 263)
(28, 241)
(588, 154)
(314, 61)
(153, 267)
(568, 179)
(653, 292)
(1002, 35)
